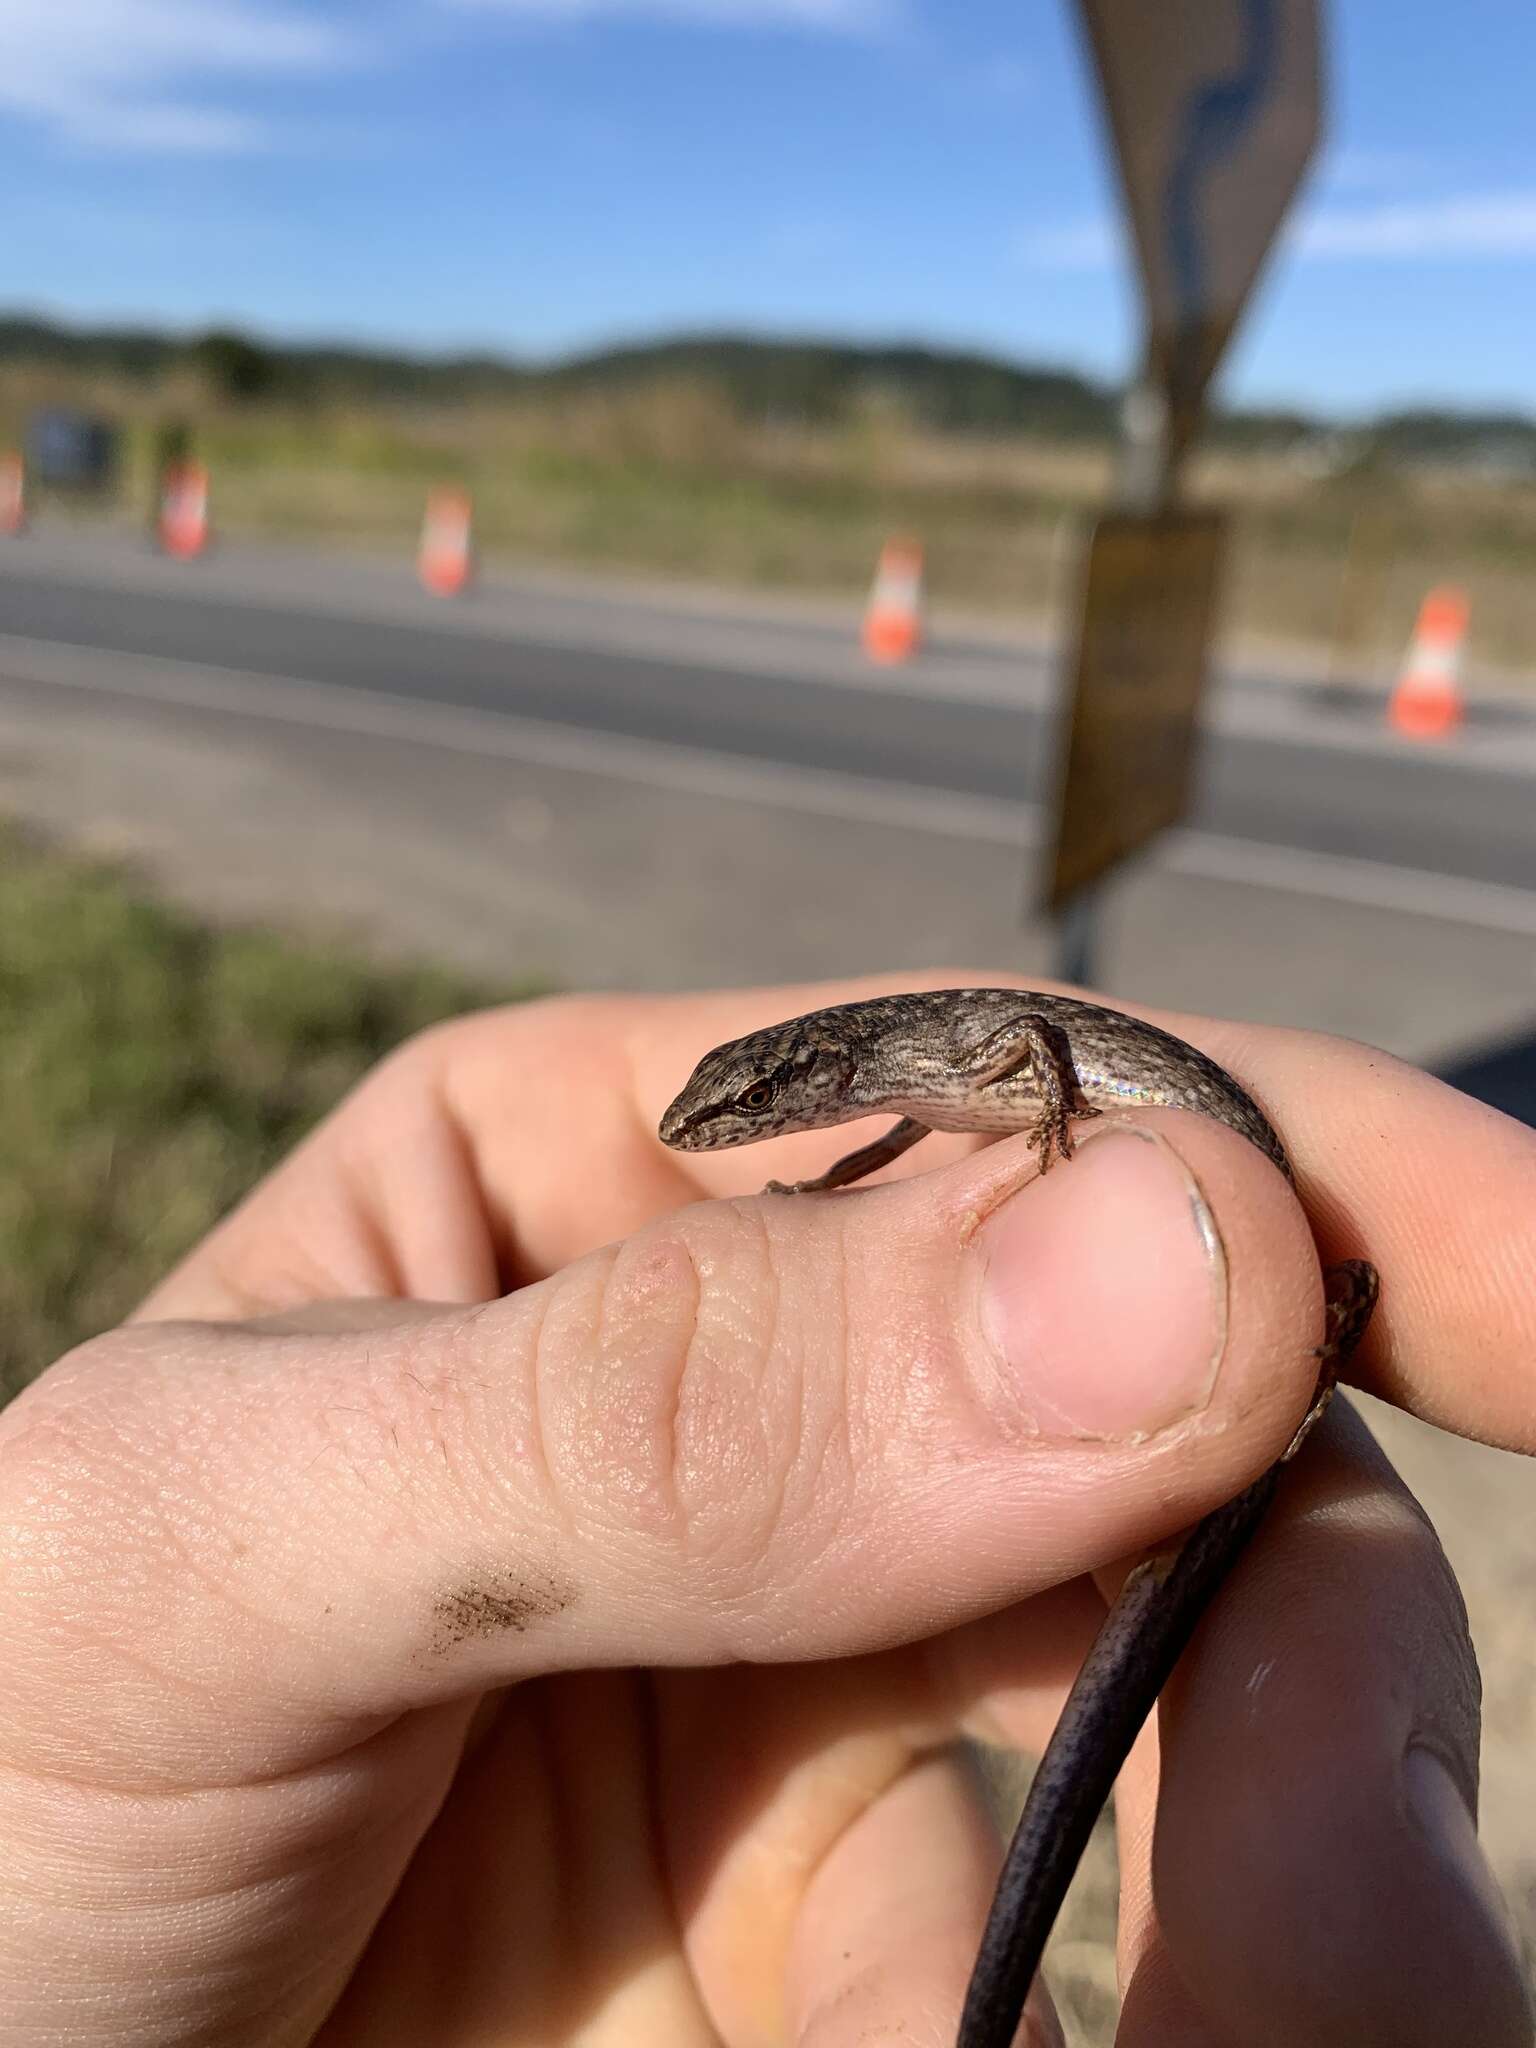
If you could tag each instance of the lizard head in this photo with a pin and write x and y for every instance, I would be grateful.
(786, 1079)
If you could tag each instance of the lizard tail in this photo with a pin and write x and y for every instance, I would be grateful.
(1142, 1638)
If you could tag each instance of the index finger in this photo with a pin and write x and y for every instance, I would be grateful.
(1439, 1191)
(504, 1145)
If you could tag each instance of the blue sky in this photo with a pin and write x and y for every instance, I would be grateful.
(535, 176)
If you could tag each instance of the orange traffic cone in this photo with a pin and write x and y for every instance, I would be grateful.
(445, 562)
(893, 617)
(13, 494)
(1427, 703)
(183, 525)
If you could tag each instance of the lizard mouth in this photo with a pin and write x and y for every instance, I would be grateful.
(680, 1128)
(690, 1130)
(673, 1126)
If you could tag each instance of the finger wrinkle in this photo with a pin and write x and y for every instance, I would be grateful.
(729, 1460)
(647, 1361)
(840, 1430)
(537, 1440)
(790, 1392)
(676, 1267)
(358, 1171)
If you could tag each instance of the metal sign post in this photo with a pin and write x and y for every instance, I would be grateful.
(1149, 601)
(1213, 108)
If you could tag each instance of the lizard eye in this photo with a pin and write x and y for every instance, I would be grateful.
(758, 1096)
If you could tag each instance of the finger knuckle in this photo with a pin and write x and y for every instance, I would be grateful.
(695, 1424)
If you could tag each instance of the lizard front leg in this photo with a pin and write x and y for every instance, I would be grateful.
(1031, 1043)
(854, 1165)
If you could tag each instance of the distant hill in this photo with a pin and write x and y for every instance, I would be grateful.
(818, 381)
(288, 367)
(950, 389)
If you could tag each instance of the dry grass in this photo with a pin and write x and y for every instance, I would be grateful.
(665, 478)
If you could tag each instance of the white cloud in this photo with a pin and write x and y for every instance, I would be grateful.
(1377, 170)
(1092, 244)
(1494, 226)
(843, 17)
(136, 74)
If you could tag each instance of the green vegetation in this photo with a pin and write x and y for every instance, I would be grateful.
(151, 1070)
(807, 382)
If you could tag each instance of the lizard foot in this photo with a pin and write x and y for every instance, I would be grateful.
(1052, 1135)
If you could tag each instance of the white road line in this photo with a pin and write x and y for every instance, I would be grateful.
(697, 771)
(755, 647)
(1343, 878)
(1295, 720)
(659, 764)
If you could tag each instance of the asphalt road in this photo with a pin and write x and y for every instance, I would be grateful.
(1282, 766)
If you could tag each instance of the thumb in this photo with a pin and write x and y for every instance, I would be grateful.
(770, 1428)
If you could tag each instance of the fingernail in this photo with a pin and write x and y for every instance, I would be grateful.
(1446, 1823)
(1104, 1292)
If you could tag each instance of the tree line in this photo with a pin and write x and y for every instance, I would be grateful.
(813, 382)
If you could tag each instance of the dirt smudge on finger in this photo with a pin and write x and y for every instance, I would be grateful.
(495, 1604)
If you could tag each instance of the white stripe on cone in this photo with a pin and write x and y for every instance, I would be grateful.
(184, 510)
(1427, 702)
(446, 562)
(893, 617)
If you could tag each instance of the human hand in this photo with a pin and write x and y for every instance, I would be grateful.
(741, 1500)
